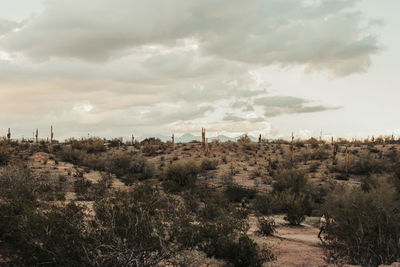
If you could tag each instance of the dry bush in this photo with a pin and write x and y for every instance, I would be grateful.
(365, 229)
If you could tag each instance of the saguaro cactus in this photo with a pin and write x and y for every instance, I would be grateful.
(255, 157)
(334, 151)
(37, 135)
(203, 137)
(51, 135)
(133, 140)
(173, 142)
(9, 135)
(259, 138)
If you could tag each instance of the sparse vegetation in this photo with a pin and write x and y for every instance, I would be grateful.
(146, 204)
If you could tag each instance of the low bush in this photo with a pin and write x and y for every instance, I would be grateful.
(264, 204)
(266, 226)
(236, 193)
(89, 145)
(208, 164)
(4, 156)
(182, 173)
(365, 225)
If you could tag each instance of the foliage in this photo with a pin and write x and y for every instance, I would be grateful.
(208, 164)
(266, 226)
(4, 156)
(293, 195)
(366, 226)
(182, 173)
(89, 145)
(236, 193)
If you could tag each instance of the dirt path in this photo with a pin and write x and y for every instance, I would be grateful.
(293, 246)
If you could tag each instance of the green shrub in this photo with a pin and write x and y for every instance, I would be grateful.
(241, 253)
(56, 237)
(89, 145)
(296, 208)
(4, 156)
(208, 164)
(266, 226)
(365, 229)
(125, 165)
(135, 226)
(81, 186)
(236, 193)
(291, 180)
(19, 184)
(264, 204)
(183, 173)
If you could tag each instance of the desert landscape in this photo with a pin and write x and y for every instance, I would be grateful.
(199, 133)
(241, 203)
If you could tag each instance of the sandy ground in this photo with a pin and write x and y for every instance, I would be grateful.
(293, 246)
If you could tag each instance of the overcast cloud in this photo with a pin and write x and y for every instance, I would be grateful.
(156, 66)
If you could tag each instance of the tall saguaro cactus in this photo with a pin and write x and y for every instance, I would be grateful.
(203, 137)
(173, 142)
(9, 135)
(259, 139)
(133, 140)
(334, 151)
(51, 135)
(37, 135)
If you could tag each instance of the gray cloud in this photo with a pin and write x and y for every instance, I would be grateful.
(280, 105)
(162, 65)
(243, 105)
(7, 26)
(319, 34)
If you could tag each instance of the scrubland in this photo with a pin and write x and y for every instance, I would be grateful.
(96, 202)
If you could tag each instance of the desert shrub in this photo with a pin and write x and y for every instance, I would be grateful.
(365, 229)
(4, 156)
(319, 154)
(152, 146)
(127, 165)
(32, 237)
(89, 145)
(18, 183)
(291, 180)
(115, 142)
(313, 142)
(366, 164)
(314, 166)
(81, 187)
(241, 253)
(266, 226)
(296, 208)
(208, 164)
(244, 139)
(182, 173)
(72, 155)
(134, 227)
(236, 193)
(264, 204)
(95, 161)
(293, 196)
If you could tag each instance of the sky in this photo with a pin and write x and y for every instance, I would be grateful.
(156, 67)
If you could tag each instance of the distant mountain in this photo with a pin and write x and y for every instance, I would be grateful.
(188, 137)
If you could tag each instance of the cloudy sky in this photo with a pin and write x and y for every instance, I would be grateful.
(122, 67)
